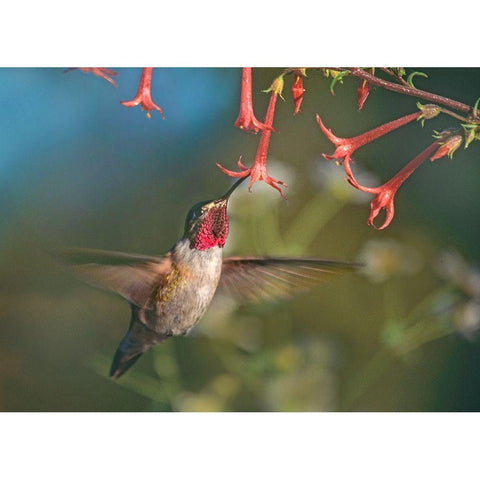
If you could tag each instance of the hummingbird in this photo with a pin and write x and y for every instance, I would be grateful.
(169, 294)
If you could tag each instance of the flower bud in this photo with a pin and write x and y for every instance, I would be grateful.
(297, 89)
(449, 147)
(428, 111)
(363, 90)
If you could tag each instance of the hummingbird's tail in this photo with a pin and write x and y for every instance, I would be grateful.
(138, 340)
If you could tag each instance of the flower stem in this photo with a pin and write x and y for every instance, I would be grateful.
(392, 74)
(314, 216)
(455, 115)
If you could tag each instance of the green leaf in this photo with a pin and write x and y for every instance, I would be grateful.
(470, 133)
(412, 75)
(338, 78)
(475, 107)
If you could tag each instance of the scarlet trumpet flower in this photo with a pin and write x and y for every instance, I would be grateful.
(246, 119)
(346, 146)
(385, 194)
(143, 96)
(104, 73)
(258, 171)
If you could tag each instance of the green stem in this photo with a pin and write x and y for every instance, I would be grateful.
(372, 371)
(268, 229)
(422, 333)
(391, 301)
(145, 385)
(426, 303)
(313, 217)
(415, 336)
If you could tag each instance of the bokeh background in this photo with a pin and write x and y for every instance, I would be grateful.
(77, 169)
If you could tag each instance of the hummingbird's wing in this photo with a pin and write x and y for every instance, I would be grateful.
(134, 277)
(252, 279)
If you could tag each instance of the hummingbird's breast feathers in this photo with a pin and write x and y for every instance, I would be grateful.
(198, 265)
(187, 289)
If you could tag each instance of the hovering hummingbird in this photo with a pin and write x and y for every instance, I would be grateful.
(169, 294)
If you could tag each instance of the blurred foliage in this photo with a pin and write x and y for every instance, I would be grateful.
(281, 357)
(399, 336)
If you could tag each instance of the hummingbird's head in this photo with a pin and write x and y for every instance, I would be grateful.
(207, 222)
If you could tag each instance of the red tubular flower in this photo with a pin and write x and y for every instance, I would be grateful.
(297, 89)
(104, 73)
(448, 147)
(258, 171)
(144, 94)
(385, 194)
(363, 90)
(346, 146)
(246, 119)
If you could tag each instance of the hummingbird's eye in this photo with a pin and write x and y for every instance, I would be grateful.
(196, 213)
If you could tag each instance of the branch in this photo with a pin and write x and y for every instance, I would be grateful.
(414, 92)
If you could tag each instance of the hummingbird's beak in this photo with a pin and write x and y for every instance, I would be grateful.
(232, 188)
